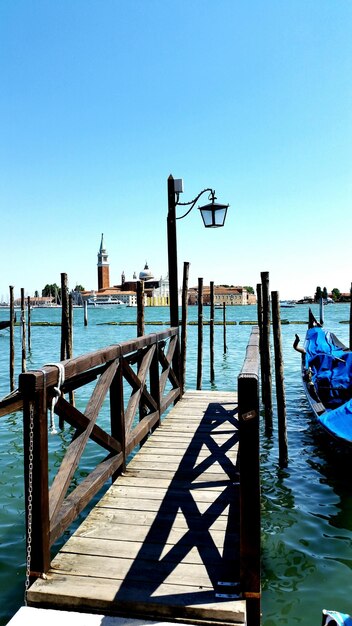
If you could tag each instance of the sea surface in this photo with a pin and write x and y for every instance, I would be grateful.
(306, 508)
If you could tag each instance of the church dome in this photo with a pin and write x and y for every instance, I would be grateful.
(145, 274)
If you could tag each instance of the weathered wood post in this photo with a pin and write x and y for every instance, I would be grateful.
(249, 450)
(65, 318)
(70, 327)
(85, 308)
(155, 382)
(184, 325)
(321, 312)
(23, 331)
(260, 325)
(140, 308)
(70, 339)
(268, 405)
(224, 325)
(117, 415)
(65, 327)
(351, 317)
(279, 380)
(200, 334)
(29, 322)
(12, 340)
(140, 333)
(35, 440)
(211, 332)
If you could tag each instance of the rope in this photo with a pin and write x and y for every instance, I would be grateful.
(56, 393)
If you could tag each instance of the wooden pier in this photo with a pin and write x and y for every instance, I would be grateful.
(176, 536)
(164, 540)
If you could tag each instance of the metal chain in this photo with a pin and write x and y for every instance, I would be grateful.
(30, 500)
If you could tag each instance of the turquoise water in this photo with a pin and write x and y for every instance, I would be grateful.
(306, 508)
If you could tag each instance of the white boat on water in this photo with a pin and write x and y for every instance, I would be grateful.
(105, 301)
(287, 304)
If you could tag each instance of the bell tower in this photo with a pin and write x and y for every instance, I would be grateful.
(103, 267)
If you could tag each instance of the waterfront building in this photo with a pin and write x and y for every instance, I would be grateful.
(231, 296)
(156, 292)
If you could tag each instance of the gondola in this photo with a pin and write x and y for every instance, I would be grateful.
(335, 618)
(5, 324)
(327, 379)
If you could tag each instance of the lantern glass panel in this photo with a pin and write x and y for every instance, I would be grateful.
(213, 215)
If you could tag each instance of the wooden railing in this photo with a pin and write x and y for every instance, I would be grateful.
(248, 414)
(145, 366)
(11, 403)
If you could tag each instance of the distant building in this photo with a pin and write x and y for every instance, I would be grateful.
(103, 267)
(231, 296)
(156, 292)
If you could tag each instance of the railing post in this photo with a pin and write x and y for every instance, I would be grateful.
(155, 380)
(35, 439)
(248, 412)
(117, 415)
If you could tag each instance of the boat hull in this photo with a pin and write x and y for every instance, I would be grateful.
(327, 381)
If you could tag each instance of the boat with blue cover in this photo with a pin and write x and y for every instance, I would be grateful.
(335, 618)
(327, 379)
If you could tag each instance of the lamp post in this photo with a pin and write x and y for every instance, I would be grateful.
(213, 215)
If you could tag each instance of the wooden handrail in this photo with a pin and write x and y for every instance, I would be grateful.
(248, 413)
(11, 403)
(53, 509)
(32, 381)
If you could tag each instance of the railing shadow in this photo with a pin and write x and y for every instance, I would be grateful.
(217, 550)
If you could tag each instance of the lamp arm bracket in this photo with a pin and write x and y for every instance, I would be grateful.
(193, 202)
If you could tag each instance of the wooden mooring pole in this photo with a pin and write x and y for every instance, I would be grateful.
(140, 308)
(265, 355)
(12, 340)
(23, 331)
(279, 380)
(65, 327)
(211, 332)
(85, 308)
(260, 325)
(184, 321)
(29, 322)
(200, 334)
(65, 319)
(140, 333)
(224, 325)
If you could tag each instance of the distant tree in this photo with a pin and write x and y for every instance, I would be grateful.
(318, 294)
(249, 289)
(79, 288)
(52, 290)
(325, 293)
(336, 294)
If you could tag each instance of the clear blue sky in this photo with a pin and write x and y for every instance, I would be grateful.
(101, 100)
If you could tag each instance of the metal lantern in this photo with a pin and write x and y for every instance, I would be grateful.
(214, 214)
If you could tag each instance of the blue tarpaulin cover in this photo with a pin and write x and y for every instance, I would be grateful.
(334, 618)
(331, 373)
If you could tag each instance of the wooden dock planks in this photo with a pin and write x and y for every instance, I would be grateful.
(163, 540)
